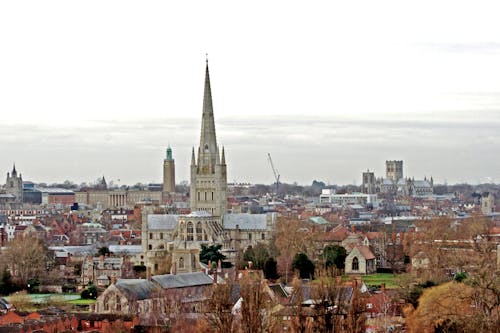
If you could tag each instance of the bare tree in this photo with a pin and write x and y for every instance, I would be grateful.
(219, 305)
(27, 258)
(255, 306)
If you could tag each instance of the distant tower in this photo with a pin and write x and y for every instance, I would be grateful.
(169, 172)
(14, 185)
(368, 185)
(208, 172)
(487, 203)
(394, 170)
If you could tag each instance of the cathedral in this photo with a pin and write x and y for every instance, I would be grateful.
(171, 243)
(12, 195)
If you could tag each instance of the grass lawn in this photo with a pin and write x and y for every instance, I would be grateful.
(82, 301)
(378, 279)
(43, 298)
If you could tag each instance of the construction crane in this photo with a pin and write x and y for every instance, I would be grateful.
(276, 173)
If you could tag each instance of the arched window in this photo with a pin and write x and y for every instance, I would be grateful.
(190, 231)
(355, 264)
(106, 303)
(181, 263)
(118, 304)
(199, 231)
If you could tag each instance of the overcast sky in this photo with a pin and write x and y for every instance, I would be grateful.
(94, 88)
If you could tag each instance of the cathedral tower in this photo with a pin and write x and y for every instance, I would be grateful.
(208, 171)
(14, 185)
(169, 172)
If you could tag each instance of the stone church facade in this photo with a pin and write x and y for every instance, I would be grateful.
(172, 242)
(12, 195)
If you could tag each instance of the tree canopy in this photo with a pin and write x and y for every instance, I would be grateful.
(257, 254)
(334, 255)
(304, 265)
(211, 253)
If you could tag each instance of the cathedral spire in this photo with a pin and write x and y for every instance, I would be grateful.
(223, 162)
(193, 159)
(208, 141)
(14, 172)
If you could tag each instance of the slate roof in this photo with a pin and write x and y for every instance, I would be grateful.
(136, 288)
(162, 221)
(278, 290)
(125, 249)
(75, 250)
(245, 221)
(422, 183)
(199, 213)
(318, 220)
(182, 280)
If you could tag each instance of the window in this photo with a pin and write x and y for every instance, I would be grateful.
(355, 264)
(161, 235)
(118, 304)
(150, 246)
(150, 235)
(190, 231)
(199, 231)
(181, 263)
(106, 303)
(212, 196)
(249, 236)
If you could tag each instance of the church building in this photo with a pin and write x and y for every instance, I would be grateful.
(173, 242)
(12, 195)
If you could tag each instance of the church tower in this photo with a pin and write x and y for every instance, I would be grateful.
(14, 185)
(169, 172)
(208, 170)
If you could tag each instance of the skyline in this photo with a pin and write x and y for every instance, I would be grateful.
(330, 90)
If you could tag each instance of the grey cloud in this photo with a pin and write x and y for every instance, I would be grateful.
(304, 148)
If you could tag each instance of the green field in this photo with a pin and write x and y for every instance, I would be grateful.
(82, 301)
(43, 298)
(378, 279)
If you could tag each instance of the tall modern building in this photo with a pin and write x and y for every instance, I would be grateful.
(169, 172)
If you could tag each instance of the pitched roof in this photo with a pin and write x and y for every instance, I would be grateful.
(245, 221)
(318, 220)
(182, 280)
(162, 221)
(365, 252)
(136, 288)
